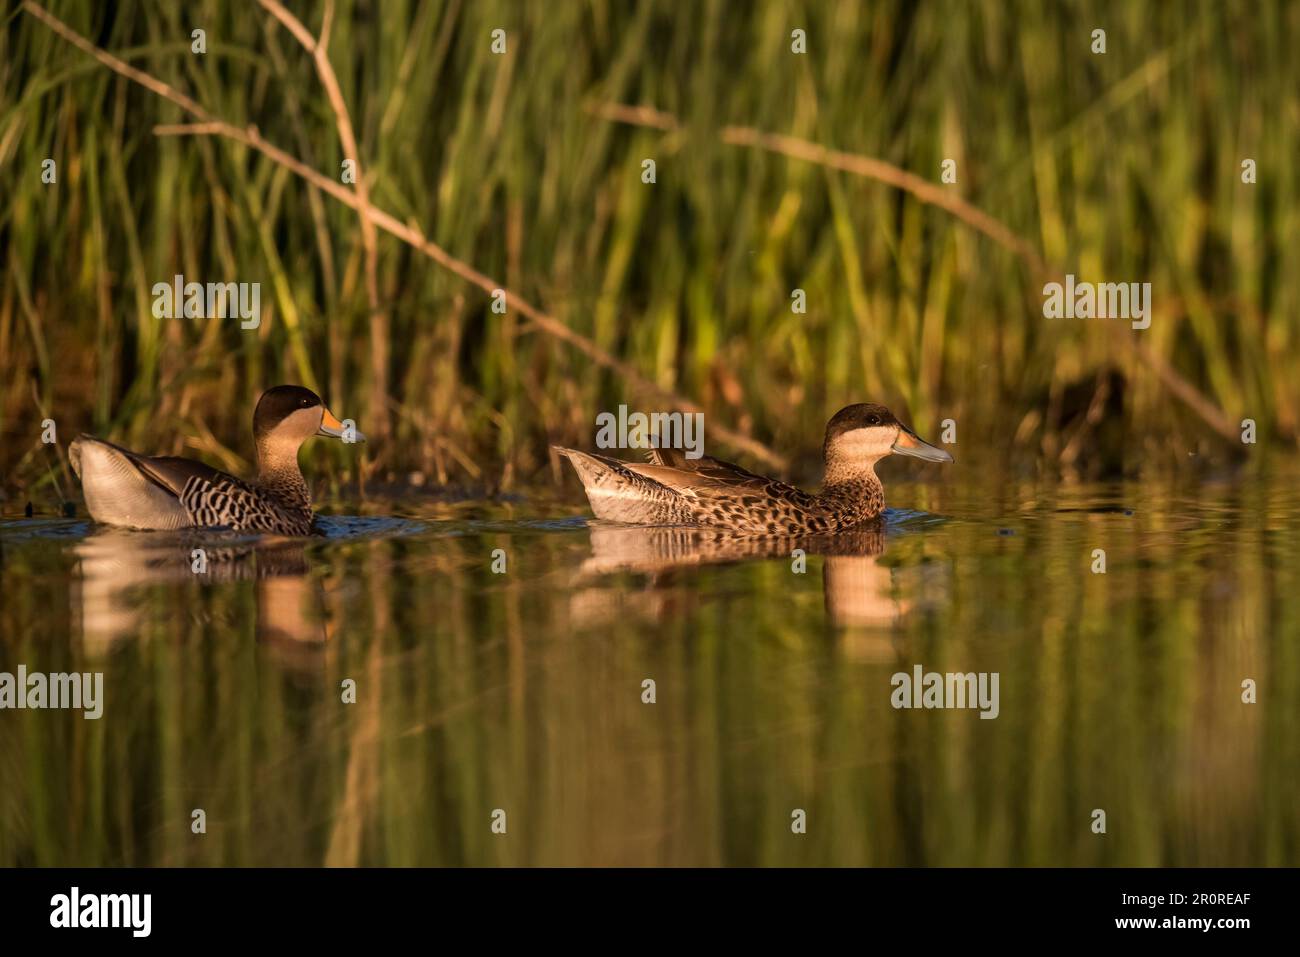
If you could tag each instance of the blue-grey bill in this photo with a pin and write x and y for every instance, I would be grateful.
(332, 427)
(909, 443)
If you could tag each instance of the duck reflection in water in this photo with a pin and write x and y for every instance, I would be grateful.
(859, 593)
(117, 566)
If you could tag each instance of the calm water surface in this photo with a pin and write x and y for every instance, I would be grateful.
(522, 691)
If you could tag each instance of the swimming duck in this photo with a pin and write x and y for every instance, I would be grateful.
(671, 489)
(165, 492)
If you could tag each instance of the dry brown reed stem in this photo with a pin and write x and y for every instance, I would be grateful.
(379, 328)
(927, 192)
(857, 164)
(211, 125)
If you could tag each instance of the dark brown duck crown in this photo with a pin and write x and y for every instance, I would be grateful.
(278, 403)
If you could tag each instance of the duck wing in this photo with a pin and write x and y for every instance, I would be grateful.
(122, 487)
(171, 473)
(672, 489)
(674, 467)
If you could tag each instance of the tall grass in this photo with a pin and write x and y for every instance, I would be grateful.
(1118, 167)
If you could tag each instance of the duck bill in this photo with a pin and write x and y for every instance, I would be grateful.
(335, 429)
(909, 443)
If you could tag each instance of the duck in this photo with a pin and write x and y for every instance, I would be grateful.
(671, 488)
(165, 492)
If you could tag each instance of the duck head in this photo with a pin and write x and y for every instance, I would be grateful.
(287, 416)
(860, 435)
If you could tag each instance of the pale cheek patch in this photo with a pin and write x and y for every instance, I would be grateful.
(867, 443)
(307, 421)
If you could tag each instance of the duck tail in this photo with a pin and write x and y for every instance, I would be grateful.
(590, 468)
(74, 454)
(117, 492)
